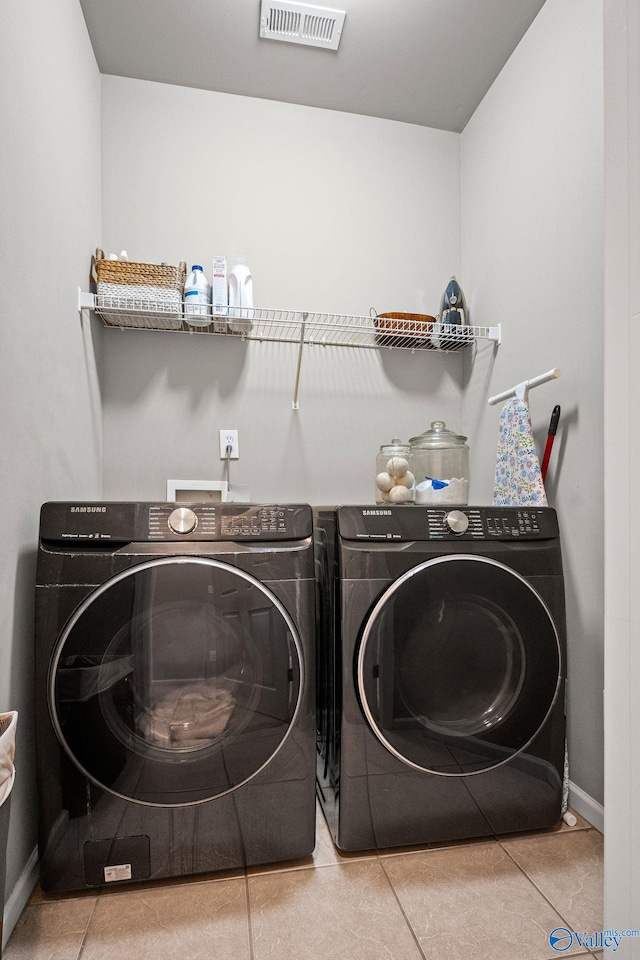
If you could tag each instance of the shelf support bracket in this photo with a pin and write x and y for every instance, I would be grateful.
(86, 301)
(294, 403)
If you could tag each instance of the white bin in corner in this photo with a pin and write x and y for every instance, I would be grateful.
(8, 724)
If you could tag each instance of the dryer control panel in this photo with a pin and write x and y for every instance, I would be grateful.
(415, 522)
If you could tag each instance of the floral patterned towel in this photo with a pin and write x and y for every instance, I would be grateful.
(518, 478)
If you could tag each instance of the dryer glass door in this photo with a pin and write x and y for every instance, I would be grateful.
(176, 681)
(459, 665)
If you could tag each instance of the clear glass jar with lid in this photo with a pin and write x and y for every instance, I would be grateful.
(395, 479)
(441, 466)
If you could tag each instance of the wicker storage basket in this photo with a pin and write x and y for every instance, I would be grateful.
(404, 330)
(131, 294)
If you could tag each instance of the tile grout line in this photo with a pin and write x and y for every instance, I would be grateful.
(86, 929)
(249, 924)
(402, 911)
(311, 866)
(572, 956)
(543, 895)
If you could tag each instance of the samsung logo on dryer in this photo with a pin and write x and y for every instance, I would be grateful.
(88, 509)
(377, 513)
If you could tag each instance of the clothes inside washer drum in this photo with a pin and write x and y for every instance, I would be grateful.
(189, 715)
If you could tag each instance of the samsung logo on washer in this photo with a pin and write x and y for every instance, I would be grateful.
(377, 513)
(88, 509)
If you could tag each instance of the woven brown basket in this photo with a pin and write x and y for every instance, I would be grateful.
(134, 294)
(404, 330)
(141, 274)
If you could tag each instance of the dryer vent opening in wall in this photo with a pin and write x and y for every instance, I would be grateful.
(301, 23)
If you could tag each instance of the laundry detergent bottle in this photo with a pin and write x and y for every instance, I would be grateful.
(240, 296)
(197, 298)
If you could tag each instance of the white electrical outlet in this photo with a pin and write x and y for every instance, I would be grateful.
(229, 438)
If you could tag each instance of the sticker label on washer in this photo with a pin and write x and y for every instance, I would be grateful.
(121, 872)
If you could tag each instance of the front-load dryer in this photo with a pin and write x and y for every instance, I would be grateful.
(441, 672)
(175, 691)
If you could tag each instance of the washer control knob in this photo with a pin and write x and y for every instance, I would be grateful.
(182, 520)
(457, 521)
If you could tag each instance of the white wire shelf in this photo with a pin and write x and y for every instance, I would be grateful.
(288, 326)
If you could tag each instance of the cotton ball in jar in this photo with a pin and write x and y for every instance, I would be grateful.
(407, 480)
(384, 482)
(400, 494)
(397, 466)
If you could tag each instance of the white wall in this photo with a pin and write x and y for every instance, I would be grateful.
(341, 213)
(622, 460)
(335, 213)
(532, 238)
(50, 432)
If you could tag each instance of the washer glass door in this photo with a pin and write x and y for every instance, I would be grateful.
(176, 681)
(459, 665)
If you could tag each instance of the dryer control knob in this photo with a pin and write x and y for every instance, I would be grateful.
(457, 521)
(182, 520)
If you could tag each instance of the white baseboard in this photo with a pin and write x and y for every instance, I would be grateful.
(20, 895)
(586, 806)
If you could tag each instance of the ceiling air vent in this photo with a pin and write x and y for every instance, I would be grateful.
(301, 23)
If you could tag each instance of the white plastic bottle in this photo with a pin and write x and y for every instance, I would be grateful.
(197, 298)
(240, 296)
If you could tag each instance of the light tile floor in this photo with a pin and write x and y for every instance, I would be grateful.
(491, 899)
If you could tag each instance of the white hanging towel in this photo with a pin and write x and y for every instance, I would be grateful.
(8, 724)
(518, 477)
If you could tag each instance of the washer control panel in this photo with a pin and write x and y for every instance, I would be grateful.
(126, 522)
(223, 522)
(169, 522)
(404, 523)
